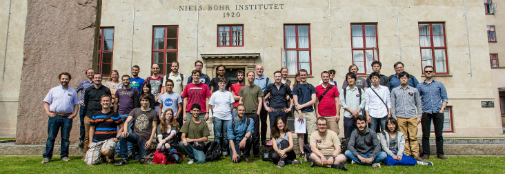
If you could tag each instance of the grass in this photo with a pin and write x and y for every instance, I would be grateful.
(7, 138)
(456, 164)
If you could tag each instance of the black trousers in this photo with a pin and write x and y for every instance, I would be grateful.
(438, 122)
(264, 127)
(255, 136)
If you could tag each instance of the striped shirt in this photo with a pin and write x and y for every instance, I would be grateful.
(105, 129)
(405, 101)
(326, 106)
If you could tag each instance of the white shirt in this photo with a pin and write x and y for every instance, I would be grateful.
(222, 104)
(373, 103)
(178, 82)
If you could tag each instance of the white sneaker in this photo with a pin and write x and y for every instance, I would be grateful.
(376, 165)
(353, 162)
(191, 161)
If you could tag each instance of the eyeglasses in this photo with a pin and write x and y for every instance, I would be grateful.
(428, 71)
(321, 124)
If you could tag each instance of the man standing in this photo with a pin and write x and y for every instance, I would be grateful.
(177, 77)
(196, 93)
(325, 146)
(364, 147)
(360, 82)
(145, 122)
(434, 100)
(405, 101)
(135, 81)
(304, 96)
(240, 131)
(171, 100)
(394, 80)
(278, 93)
(61, 105)
(235, 88)
(204, 78)
(328, 103)
(353, 103)
(83, 85)
(156, 82)
(262, 81)
(103, 133)
(377, 103)
(194, 134)
(127, 98)
(251, 96)
(92, 97)
(384, 80)
(214, 83)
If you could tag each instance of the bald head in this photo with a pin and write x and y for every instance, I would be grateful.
(259, 70)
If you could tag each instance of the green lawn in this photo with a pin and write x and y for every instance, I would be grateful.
(7, 138)
(459, 164)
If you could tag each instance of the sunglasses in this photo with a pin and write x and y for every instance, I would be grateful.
(428, 71)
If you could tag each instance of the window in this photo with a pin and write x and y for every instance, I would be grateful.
(488, 5)
(297, 48)
(106, 45)
(165, 47)
(494, 60)
(491, 34)
(433, 46)
(230, 35)
(502, 102)
(364, 46)
(448, 126)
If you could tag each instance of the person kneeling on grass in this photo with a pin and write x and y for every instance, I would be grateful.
(282, 140)
(144, 130)
(325, 146)
(167, 133)
(239, 133)
(363, 146)
(103, 133)
(393, 143)
(194, 133)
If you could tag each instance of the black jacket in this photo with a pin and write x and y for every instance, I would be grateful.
(92, 99)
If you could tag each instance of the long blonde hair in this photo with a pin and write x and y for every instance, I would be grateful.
(173, 122)
(297, 75)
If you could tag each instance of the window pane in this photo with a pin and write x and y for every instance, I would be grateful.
(371, 42)
(369, 30)
(159, 44)
(358, 59)
(424, 29)
(159, 32)
(107, 45)
(303, 42)
(109, 33)
(303, 30)
(369, 60)
(426, 57)
(171, 43)
(106, 57)
(357, 36)
(171, 56)
(491, 28)
(291, 61)
(492, 36)
(447, 120)
(304, 56)
(106, 68)
(438, 29)
(158, 57)
(223, 38)
(438, 41)
(357, 30)
(440, 61)
(424, 41)
(290, 37)
(305, 66)
(171, 32)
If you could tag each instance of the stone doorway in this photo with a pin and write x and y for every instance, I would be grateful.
(232, 62)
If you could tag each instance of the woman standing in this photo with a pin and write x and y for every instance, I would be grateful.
(222, 103)
(282, 143)
(114, 84)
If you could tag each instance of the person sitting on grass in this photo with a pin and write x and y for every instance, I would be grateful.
(103, 133)
(282, 140)
(194, 133)
(239, 135)
(167, 133)
(144, 130)
(363, 146)
(325, 146)
(393, 143)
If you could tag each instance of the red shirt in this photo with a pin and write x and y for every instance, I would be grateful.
(196, 95)
(236, 88)
(326, 106)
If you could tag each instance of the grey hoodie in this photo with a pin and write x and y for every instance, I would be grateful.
(385, 143)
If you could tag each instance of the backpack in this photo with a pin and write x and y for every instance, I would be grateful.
(299, 91)
(266, 152)
(149, 80)
(212, 151)
(159, 158)
(307, 150)
(359, 90)
(343, 145)
(146, 159)
(166, 157)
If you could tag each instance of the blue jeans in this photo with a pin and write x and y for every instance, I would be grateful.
(189, 116)
(54, 124)
(375, 122)
(245, 151)
(82, 114)
(234, 113)
(221, 133)
(198, 155)
(406, 161)
(378, 159)
(129, 129)
(134, 139)
(274, 114)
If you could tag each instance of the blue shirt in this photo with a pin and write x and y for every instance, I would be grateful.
(241, 128)
(204, 78)
(137, 83)
(395, 82)
(432, 96)
(62, 100)
(304, 95)
(83, 85)
(262, 82)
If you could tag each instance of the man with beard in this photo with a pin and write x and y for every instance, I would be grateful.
(127, 99)
(61, 105)
(235, 88)
(92, 97)
(83, 85)
(177, 77)
(196, 93)
(156, 82)
(251, 96)
(135, 81)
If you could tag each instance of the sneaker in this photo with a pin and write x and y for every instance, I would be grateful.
(302, 154)
(312, 164)
(376, 165)
(191, 161)
(224, 153)
(66, 159)
(280, 164)
(45, 160)
(425, 163)
(247, 160)
(340, 166)
(122, 162)
(296, 162)
(419, 159)
(353, 162)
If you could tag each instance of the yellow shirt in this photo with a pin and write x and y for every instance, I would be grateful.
(327, 145)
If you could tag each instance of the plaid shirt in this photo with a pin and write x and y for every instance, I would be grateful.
(405, 101)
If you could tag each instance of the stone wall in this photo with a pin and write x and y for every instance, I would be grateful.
(59, 37)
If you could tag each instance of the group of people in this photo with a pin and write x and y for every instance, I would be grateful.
(119, 115)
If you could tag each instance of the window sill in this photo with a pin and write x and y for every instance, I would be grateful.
(498, 67)
(439, 75)
(492, 41)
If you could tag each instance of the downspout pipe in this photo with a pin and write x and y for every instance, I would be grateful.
(7, 39)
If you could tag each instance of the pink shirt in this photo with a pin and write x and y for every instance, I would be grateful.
(196, 95)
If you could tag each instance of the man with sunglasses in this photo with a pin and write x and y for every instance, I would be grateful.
(434, 100)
